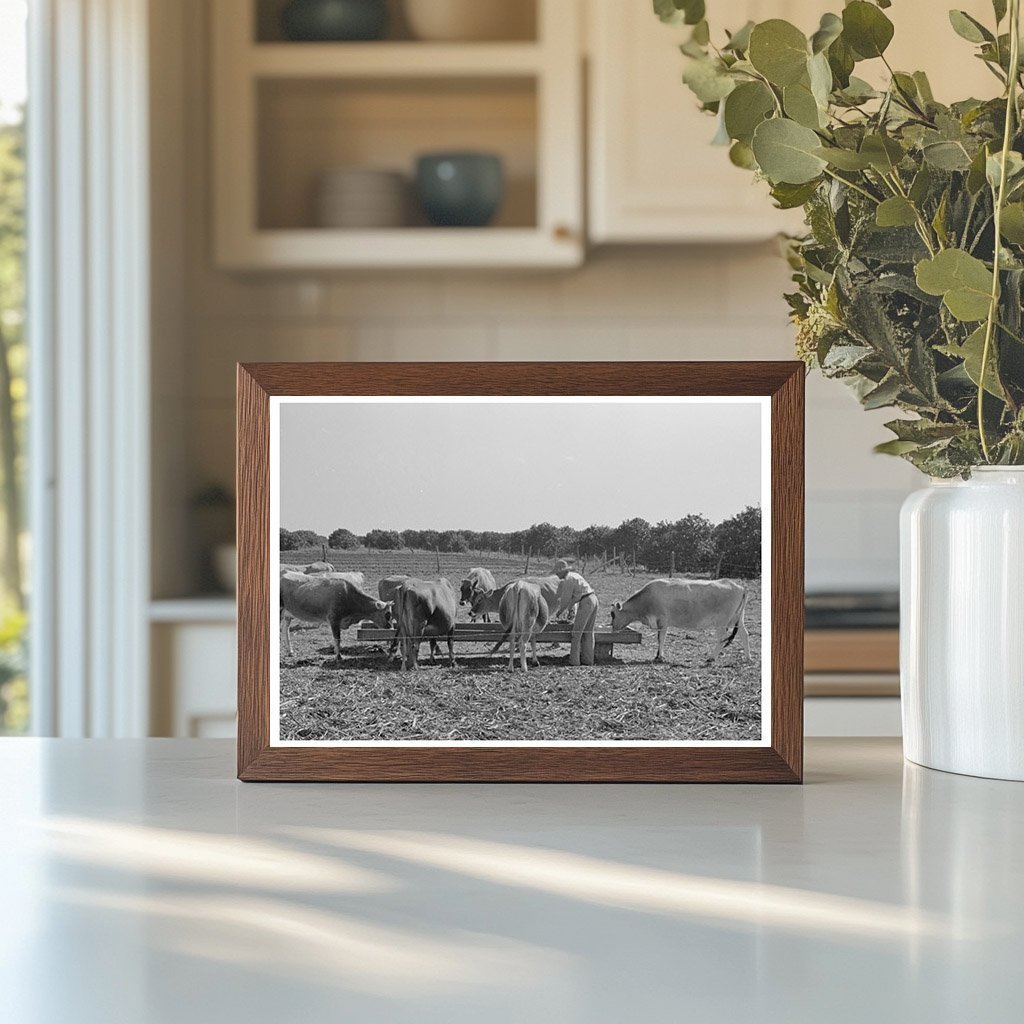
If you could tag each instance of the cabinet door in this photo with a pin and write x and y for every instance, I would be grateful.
(653, 174)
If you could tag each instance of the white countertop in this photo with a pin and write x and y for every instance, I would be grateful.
(143, 885)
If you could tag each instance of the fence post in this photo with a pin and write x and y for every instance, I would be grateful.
(672, 566)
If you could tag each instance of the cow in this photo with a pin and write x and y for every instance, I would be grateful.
(478, 580)
(688, 604)
(333, 598)
(313, 569)
(548, 586)
(490, 601)
(524, 612)
(387, 590)
(424, 609)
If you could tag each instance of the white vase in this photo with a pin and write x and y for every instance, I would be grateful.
(962, 624)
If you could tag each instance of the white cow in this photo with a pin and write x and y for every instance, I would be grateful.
(310, 568)
(688, 604)
(524, 613)
(480, 581)
(331, 597)
(489, 601)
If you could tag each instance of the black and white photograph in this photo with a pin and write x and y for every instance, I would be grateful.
(520, 570)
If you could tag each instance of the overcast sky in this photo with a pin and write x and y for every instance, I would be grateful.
(503, 467)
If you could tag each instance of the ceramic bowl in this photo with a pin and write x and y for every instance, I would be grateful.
(470, 20)
(359, 197)
(460, 189)
(334, 20)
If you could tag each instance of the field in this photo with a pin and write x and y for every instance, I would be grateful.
(368, 698)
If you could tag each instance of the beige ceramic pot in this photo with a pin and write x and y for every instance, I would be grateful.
(470, 20)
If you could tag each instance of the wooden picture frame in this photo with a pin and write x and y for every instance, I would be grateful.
(779, 759)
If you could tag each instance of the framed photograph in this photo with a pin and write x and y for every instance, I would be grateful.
(520, 572)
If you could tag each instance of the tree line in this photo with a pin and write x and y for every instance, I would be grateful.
(693, 543)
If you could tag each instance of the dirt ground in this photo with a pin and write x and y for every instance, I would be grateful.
(366, 697)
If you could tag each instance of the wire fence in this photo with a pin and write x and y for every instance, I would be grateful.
(377, 564)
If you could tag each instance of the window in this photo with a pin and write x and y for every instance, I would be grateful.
(14, 697)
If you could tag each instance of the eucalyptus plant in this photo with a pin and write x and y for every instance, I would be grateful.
(909, 280)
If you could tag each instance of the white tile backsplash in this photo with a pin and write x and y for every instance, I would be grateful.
(715, 303)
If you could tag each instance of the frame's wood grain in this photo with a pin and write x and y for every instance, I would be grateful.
(782, 761)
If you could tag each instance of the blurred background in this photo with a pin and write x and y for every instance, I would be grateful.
(241, 180)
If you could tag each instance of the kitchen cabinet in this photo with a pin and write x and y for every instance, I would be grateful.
(286, 113)
(653, 175)
(193, 671)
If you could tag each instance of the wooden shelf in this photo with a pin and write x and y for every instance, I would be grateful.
(852, 650)
(211, 608)
(400, 247)
(393, 60)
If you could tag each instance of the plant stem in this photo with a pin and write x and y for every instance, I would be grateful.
(922, 225)
(855, 187)
(993, 309)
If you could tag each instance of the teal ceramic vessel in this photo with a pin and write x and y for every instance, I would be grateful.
(460, 189)
(333, 21)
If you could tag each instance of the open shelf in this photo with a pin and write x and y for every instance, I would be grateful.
(286, 114)
(519, 16)
(308, 127)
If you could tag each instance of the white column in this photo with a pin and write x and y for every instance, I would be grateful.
(89, 335)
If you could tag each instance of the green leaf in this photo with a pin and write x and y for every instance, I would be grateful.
(885, 394)
(866, 29)
(739, 41)
(947, 156)
(971, 352)
(841, 60)
(745, 108)
(963, 281)
(785, 152)
(778, 50)
(741, 155)
(1012, 224)
(820, 77)
(924, 87)
(800, 105)
(708, 80)
(883, 153)
(789, 197)
(675, 12)
(829, 30)
(1014, 169)
(969, 28)
(694, 11)
(921, 185)
(976, 173)
(844, 159)
(895, 447)
(939, 220)
(858, 91)
(896, 212)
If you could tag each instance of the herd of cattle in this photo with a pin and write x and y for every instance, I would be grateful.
(421, 610)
